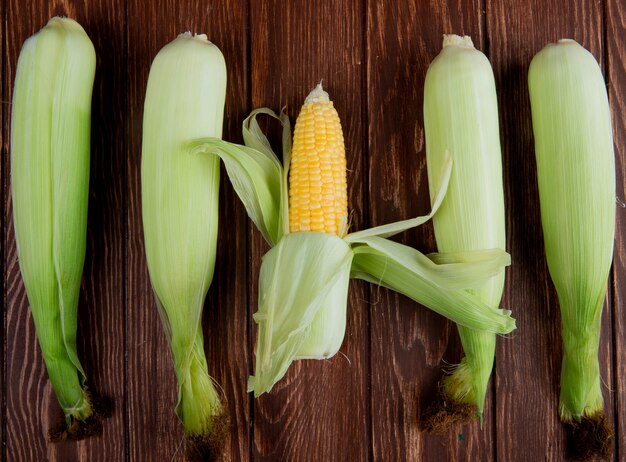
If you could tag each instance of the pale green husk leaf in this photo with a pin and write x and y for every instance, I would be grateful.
(296, 278)
(402, 269)
(391, 229)
(256, 174)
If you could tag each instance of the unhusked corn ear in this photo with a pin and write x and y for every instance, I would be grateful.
(50, 133)
(318, 194)
(180, 192)
(576, 178)
(461, 122)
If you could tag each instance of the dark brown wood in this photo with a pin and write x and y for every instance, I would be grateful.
(155, 432)
(410, 344)
(529, 362)
(4, 150)
(30, 404)
(364, 403)
(616, 78)
(320, 408)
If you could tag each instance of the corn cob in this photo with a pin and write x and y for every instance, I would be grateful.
(318, 192)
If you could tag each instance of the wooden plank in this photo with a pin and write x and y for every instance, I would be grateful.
(616, 78)
(410, 344)
(529, 362)
(320, 409)
(4, 150)
(155, 433)
(31, 405)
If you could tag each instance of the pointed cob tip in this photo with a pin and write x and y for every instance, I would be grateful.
(317, 95)
(453, 40)
(77, 429)
(208, 447)
(589, 438)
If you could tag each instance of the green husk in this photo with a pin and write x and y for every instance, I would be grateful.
(180, 190)
(50, 133)
(576, 175)
(461, 122)
(304, 277)
(318, 265)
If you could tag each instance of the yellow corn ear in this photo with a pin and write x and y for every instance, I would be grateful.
(318, 192)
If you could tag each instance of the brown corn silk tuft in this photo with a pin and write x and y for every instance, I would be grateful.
(208, 447)
(80, 429)
(446, 412)
(589, 438)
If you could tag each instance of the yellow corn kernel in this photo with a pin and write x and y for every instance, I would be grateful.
(318, 192)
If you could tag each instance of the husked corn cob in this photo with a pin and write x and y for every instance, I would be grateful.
(318, 192)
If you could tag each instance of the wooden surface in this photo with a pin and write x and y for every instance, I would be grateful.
(363, 404)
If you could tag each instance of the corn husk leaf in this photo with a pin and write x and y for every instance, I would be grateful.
(407, 271)
(462, 270)
(392, 229)
(296, 278)
(256, 174)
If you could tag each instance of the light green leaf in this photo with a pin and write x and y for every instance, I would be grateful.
(384, 265)
(296, 279)
(257, 177)
(257, 174)
(400, 226)
(463, 270)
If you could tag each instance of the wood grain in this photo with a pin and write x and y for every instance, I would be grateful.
(31, 406)
(410, 344)
(529, 363)
(155, 432)
(4, 150)
(616, 78)
(289, 57)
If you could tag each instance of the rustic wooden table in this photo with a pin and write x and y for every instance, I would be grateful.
(363, 404)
